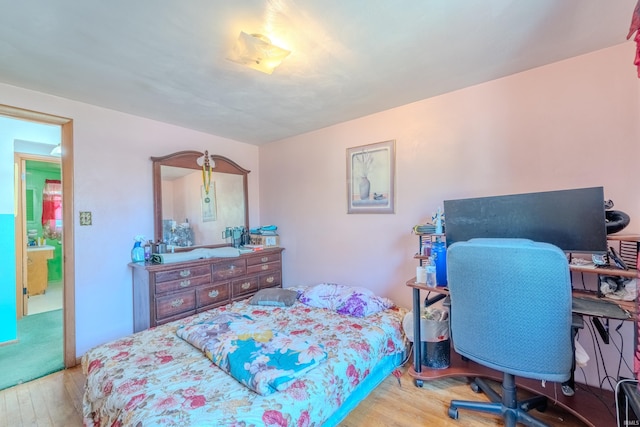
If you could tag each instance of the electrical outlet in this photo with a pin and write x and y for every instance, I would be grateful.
(85, 218)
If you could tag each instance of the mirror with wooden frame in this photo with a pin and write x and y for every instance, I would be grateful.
(195, 200)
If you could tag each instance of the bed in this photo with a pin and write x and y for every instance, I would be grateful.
(156, 377)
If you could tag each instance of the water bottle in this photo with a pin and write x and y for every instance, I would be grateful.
(431, 273)
(439, 251)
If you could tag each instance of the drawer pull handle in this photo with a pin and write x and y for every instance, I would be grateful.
(246, 285)
(213, 294)
(185, 283)
(265, 259)
(265, 267)
(177, 302)
(271, 279)
(185, 273)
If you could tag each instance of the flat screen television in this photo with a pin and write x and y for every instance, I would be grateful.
(573, 220)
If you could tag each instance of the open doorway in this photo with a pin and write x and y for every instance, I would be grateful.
(39, 228)
(65, 162)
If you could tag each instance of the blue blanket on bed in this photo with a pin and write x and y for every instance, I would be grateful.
(252, 352)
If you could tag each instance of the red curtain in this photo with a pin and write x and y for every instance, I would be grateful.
(635, 28)
(52, 209)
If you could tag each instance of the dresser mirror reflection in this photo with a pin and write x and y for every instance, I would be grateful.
(195, 202)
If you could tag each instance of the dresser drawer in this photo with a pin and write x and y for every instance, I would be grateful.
(263, 268)
(175, 285)
(213, 295)
(182, 273)
(263, 259)
(245, 286)
(228, 269)
(271, 280)
(180, 302)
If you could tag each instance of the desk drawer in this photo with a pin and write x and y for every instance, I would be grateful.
(245, 286)
(229, 269)
(173, 304)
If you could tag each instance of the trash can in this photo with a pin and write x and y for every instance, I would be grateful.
(435, 343)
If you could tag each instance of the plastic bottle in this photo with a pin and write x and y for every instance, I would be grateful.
(137, 253)
(439, 252)
(431, 273)
(421, 274)
(147, 251)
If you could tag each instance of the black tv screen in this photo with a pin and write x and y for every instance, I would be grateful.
(573, 220)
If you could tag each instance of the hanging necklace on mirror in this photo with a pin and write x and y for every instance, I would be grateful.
(206, 176)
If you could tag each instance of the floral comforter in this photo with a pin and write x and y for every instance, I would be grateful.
(252, 353)
(156, 378)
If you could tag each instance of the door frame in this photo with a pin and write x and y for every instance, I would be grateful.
(68, 261)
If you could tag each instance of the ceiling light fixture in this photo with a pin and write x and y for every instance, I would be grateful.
(256, 51)
(56, 151)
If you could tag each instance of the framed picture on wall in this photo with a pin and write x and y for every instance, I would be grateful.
(371, 178)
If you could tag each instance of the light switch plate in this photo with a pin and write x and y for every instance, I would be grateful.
(85, 218)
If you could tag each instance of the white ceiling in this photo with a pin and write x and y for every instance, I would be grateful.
(165, 59)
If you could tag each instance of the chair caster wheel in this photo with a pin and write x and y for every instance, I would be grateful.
(475, 387)
(453, 413)
(419, 383)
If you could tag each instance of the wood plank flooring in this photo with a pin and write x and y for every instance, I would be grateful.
(56, 401)
(51, 401)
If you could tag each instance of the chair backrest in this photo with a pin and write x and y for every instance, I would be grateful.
(511, 306)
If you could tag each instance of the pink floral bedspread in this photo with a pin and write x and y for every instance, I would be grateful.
(155, 378)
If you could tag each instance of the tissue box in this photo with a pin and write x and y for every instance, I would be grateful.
(266, 240)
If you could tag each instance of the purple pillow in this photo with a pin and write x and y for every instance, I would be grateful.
(347, 300)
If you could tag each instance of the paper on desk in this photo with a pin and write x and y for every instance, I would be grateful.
(580, 262)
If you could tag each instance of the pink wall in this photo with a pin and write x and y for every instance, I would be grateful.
(571, 124)
(113, 180)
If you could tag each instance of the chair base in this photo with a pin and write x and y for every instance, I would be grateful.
(507, 405)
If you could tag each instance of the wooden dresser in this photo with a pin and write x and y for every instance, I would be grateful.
(166, 292)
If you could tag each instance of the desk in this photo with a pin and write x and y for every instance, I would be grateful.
(584, 405)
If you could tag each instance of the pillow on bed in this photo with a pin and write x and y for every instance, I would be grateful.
(276, 297)
(349, 300)
(361, 305)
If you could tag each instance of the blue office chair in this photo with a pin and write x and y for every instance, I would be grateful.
(510, 311)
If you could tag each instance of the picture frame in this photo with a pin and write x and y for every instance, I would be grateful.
(371, 178)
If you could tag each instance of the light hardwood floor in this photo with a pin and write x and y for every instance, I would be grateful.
(56, 400)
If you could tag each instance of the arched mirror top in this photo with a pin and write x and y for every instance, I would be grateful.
(194, 203)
